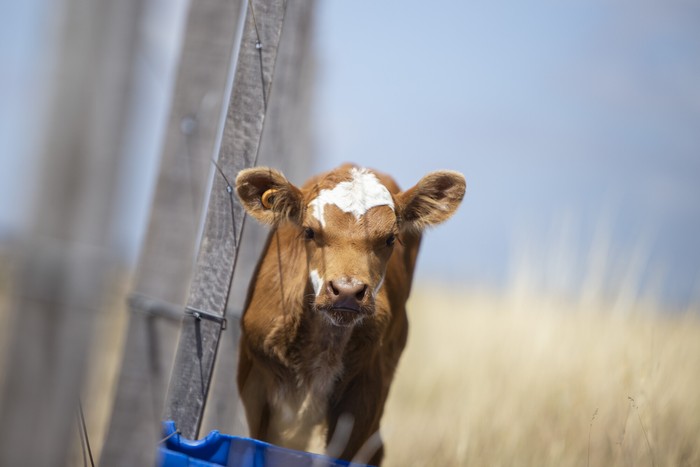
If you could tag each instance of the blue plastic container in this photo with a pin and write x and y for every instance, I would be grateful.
(218, 450)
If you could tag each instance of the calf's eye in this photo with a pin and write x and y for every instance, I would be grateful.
(390, 240)
(309, 233)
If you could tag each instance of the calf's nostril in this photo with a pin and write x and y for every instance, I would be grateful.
(332, 289)
(360, 295)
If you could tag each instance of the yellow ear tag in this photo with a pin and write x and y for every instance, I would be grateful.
(268, 198)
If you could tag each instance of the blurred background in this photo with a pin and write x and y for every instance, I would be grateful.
(575, 124)
(563, 293)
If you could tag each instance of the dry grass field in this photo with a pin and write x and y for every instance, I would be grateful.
(493, 380)
(515, 379)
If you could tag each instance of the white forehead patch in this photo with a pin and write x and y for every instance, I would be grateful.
(356, 196)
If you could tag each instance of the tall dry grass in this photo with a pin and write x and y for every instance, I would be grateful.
(492, 379)
(511, 379)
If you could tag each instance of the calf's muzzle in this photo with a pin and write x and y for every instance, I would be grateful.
(346, 294)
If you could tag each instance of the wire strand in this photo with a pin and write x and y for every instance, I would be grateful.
(229, 190)
(84, 438)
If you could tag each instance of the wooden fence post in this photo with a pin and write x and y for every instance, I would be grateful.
(165, 266)
(286, 145)
(209, 293)
(66, 260)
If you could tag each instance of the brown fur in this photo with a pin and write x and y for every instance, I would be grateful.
(304, 364)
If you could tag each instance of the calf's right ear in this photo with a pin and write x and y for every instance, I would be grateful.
(268, 196)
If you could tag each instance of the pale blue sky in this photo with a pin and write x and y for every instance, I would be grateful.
(574, 122)
(570, 120)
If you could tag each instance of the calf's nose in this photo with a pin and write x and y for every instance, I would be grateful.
(347, 294)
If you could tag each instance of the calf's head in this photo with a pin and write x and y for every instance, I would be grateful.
(349, 220)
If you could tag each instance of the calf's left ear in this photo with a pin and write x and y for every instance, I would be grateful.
(433, 200)
(268, 196)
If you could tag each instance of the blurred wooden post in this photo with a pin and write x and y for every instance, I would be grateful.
(66, 258)
(209, 293)
(165, 265)
(286, 145)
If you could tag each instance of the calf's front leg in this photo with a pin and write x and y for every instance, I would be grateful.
(361, 403)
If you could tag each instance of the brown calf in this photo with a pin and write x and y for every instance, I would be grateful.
(325, 320)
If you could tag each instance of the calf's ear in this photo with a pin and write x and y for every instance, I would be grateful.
(267, 195)
(433, 200)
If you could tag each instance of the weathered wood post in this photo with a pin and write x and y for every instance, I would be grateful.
(65, 259)
(165, 266)
(210, 289)
(287, 145)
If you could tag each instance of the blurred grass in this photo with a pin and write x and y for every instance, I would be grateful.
(518, 379)
(102, 363)
(511, 379)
